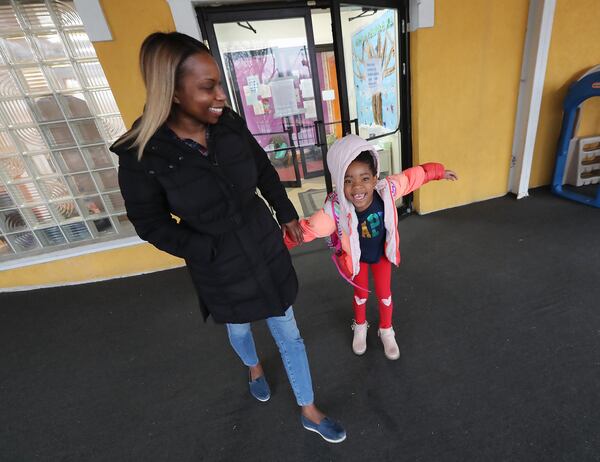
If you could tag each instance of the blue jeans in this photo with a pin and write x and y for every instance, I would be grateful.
(291, 347)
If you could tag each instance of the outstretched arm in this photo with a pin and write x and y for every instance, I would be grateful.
(270, 185)
(413, 178)
(272, 189)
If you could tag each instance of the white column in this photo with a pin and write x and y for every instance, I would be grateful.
(533, 71)
(93, 19)
(422, 14)
(184, 17)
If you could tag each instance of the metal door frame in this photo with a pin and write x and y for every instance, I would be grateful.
(238, 13)
(404, 123)
(207, 16)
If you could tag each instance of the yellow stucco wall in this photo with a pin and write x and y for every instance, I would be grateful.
(119, 57)
(130, 21)
(574, 48)
(142, 258)
(465, 78)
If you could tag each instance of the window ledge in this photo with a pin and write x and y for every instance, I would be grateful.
(69, 253)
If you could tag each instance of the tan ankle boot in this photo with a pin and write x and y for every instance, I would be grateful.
(359, 342)
(390, 347)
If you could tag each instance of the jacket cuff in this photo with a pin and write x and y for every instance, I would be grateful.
(287, 215)
(433, 171)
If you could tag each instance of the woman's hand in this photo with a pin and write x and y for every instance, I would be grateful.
(294, 230)
(450, 175)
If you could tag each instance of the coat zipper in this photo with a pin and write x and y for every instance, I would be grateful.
(211, 152)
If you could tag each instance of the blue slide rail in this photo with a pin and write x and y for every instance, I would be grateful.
(586, 87)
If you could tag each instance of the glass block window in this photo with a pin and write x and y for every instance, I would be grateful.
(58, 181)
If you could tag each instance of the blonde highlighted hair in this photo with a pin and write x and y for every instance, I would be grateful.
(161, 57)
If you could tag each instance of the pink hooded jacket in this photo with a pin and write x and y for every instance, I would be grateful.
(391, 188)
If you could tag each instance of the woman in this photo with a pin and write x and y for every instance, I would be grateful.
(191, 156)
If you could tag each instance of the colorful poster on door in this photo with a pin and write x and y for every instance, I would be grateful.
(375, 78)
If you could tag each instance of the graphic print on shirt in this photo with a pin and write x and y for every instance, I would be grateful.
(371, 231)
(371, 227)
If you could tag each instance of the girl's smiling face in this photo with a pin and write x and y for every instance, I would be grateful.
(359, 184)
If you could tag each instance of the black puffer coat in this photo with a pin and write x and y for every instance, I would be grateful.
(233, 247)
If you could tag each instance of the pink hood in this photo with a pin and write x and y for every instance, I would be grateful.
(339, 157)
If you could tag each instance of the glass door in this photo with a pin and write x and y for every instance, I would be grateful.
(274, 80)
(372, 73)
(326, 67)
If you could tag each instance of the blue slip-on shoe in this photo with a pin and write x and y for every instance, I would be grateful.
(259, 388)
(330, 430)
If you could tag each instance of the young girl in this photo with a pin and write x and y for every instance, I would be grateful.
(365, 217)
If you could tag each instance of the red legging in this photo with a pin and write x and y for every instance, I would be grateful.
(382, 274)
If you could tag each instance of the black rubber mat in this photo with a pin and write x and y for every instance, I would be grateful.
(497, 314)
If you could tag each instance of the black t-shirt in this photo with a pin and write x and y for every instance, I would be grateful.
(371, 231)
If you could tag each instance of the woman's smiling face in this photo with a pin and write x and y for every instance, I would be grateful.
(359, 184)
(199, 94)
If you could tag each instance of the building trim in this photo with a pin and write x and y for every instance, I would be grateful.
(70, 253)
(531, 87)
(184, 17)
(87, 281)
(93, 19)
